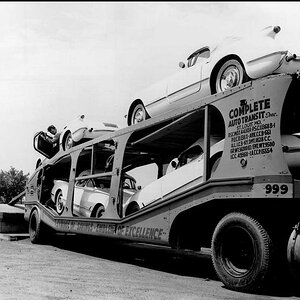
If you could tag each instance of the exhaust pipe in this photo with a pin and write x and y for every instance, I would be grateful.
(290, 57)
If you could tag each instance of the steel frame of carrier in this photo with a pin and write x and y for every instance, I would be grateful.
(248, 204)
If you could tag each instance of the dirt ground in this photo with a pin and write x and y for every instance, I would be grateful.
(72, 267)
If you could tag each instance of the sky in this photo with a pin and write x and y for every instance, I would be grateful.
(62, 59)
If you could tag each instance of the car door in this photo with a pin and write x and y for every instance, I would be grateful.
(79, 190)
(188, 80)
(87, 196)
(43, 146)
(184, 83)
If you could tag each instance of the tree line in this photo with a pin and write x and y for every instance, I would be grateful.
(12, 183)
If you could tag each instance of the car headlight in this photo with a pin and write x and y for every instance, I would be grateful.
(290, 57)
(284, 54)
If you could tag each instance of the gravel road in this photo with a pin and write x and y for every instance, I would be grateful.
(70, 267)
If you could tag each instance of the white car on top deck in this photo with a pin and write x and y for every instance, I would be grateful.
(82, 129)
(211, 70)
(76, 132)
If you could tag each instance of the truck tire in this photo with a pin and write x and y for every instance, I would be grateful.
(293, 253)
(36, 228)
(241, 252)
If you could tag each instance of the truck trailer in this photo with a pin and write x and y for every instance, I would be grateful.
(226, 177)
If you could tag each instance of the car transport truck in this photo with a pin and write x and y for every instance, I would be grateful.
(225, 175)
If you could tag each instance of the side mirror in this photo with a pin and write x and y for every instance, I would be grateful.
(182, 65)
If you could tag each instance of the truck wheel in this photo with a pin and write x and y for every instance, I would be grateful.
(231, 74)
(241, 252)
(36, 228)
(293, 253)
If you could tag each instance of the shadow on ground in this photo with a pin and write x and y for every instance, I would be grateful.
(153, 257)
(159, 258)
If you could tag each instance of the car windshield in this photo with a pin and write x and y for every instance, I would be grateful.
(189, 155)
(129, 184)
(201, 53)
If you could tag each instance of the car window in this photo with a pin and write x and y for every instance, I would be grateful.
(102, 182)
(81, 183)
(90, 183)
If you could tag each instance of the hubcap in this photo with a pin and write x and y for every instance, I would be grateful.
(60, 205)
(138, 116)
(100, 212)
(69, 142)
(230, 78)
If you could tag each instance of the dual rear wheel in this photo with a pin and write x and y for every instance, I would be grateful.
(241, 252)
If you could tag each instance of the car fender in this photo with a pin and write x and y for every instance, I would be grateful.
(59, 185)
(77, 128)
(154, 92)
(263, 59)
(93, 198)
(78, 134)
(95, 129)
(148, 194)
